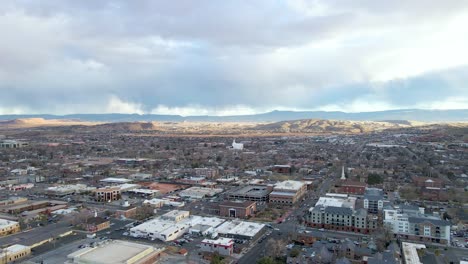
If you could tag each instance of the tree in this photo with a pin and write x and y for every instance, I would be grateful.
(294, 253)
(276, 248)
(266, 260)
(217, 259)
(374, 179)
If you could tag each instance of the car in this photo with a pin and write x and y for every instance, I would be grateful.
(321, 229)
(125, 234)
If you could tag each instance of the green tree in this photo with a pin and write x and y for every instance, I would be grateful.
(294, 253)
(266, 260)
(217, 259)
(374, 178)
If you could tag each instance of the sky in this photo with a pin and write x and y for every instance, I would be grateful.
(231, 57)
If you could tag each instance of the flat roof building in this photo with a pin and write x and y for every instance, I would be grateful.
(255, 193)
(8, 227)
(117, 252)
(288, 192)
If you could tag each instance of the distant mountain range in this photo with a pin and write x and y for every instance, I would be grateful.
(274, 116)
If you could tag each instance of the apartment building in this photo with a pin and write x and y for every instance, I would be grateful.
(410, 222)
(373, 200)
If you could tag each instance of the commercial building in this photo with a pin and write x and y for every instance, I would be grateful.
(117, 252)
(196, 193)
(8, 227)
(244, 209)
(410, 222)
(257, 193)
(14, 253)
(373, 200)
(288, 192)
(116, 180)
(12, 144)
(284, 169)
(96, 224)
(222, 246)
(174, 224)
(237, 229)
(63, 190)
(107, 194)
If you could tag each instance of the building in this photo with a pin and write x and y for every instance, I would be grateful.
(8, 227)
(199, 192)
(237, 146)
(12, 144)
(112, 180)
(284, 169)
(288, 192)
(373, 200)
(244, 209)
(96, 224)
(255, 193)
(410, 222)
(243, 230)
(222, 246)
(351, 187)
(175, 224)
(340, 214)
(64, 190)
(107, 194)
(14, 253)
(117, 252)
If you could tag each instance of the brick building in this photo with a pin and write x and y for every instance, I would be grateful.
(237, 209)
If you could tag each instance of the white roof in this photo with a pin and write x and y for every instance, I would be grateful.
(116, 180)
(410, 252)
(349, 202)
(220, 241)
(289, 185)
(242, 228)
(6, 223)
(16, 248)
(115, 252)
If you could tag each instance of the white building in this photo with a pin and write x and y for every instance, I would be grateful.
(237, 146)
(240, 229)
(199, 192)
(410, 222)
(116, 252)
(222, 246)
(175, 224)
(115, 180)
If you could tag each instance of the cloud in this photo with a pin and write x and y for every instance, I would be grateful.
(234, 57)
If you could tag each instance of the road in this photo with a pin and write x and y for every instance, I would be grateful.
(290, 226)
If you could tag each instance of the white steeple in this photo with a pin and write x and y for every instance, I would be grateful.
(343, 177)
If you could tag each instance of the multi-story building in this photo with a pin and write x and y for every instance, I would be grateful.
(8, 227)
(107, 194)
(257, 193)
(351, 187)
(237, 209)
(288, 192)
(339, 214)
(410, 222)
(222, 246)
(373, 200)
